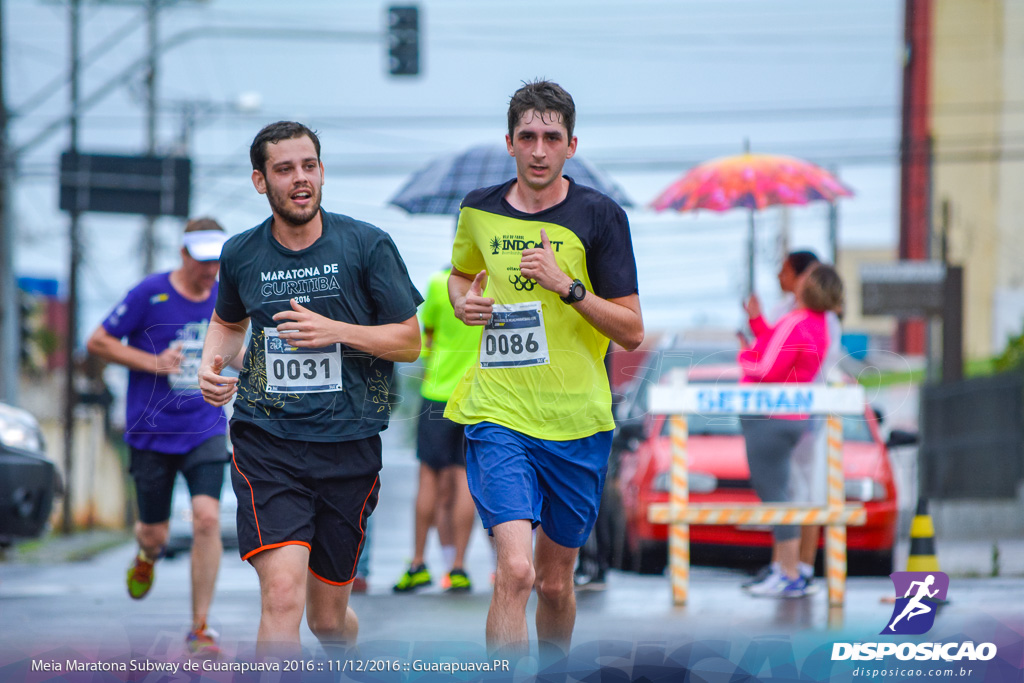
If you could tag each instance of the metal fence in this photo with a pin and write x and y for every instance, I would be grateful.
(972, 437)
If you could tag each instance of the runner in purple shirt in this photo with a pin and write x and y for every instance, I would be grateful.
(157, 332)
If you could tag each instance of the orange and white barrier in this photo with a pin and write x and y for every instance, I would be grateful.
(678, 399)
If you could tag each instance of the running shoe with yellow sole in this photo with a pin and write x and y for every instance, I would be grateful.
(202, 642)
(414, 577)
(140, 576)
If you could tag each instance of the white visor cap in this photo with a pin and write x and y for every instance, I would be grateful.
(204, 245)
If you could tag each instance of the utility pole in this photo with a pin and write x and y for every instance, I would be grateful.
(149, 226)
(833, 230)
(70, 391)
(915, 155)
(9, 338)
(785, 224)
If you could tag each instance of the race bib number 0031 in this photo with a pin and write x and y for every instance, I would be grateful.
(291, 370)
(514, 337)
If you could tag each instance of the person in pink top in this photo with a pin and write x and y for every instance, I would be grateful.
(790, 351)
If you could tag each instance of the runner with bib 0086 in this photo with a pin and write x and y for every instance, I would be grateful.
(558, 262)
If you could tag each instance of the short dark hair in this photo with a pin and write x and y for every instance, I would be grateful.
(799, 261)
(542, 96)
(275, 132)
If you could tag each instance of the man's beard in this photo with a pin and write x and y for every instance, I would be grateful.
(294, 217)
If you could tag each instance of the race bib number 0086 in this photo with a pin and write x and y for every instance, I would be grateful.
(292, 370)
(514, 337)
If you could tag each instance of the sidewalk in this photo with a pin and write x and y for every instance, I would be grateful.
(55, 547)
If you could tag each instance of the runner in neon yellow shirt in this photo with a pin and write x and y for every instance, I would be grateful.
(558, 261)
(442, 497)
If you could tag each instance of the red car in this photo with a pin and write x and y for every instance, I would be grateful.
(718, 473)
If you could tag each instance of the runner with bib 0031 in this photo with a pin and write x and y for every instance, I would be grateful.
(291, 370)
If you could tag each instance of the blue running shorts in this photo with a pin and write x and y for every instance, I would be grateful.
(556, 484)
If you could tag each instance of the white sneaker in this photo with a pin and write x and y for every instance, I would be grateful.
(762, 574)
(780, 586)
(772, 585)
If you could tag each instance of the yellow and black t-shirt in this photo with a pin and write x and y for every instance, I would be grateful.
(541, 369)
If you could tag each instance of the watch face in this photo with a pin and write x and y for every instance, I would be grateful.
(578, 291)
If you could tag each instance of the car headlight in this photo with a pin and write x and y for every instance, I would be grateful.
(864, 489)
(700, 482)
(18, 429)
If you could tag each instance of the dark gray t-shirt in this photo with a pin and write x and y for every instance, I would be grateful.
(352, 273)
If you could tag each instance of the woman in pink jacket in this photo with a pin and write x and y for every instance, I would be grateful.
(791, 351)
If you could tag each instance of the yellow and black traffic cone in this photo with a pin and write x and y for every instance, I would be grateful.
(922, 541)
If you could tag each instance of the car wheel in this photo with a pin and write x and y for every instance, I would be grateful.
(650, 558)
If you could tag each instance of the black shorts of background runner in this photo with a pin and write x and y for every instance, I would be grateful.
(440, 443)
(310, 493)
(154, 473)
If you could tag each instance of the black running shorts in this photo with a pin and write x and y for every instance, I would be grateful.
(440, 443)
(313, 494)
(154, 473)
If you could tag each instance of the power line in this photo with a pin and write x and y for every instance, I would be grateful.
(739, 113)
(57, 84)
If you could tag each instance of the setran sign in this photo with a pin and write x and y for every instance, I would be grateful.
(146, 185)
(756, 399)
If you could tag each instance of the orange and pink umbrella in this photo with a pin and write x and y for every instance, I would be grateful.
(751, 181)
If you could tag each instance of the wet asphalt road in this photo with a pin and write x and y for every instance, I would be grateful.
(83, 607)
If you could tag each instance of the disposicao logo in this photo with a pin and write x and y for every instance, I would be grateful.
(917, 596)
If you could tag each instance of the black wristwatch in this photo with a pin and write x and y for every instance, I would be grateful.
(576, 292)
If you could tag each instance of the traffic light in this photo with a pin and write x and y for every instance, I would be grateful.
(404, 40)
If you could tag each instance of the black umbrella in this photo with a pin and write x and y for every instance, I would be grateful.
(438, 187)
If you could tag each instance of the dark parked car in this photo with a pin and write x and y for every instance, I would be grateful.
(28, 481)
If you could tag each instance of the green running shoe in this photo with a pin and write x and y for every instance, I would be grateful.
(140, 576)
(458, 582)
(414, 577)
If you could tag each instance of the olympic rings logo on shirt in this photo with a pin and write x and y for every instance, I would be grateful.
(521, 283)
